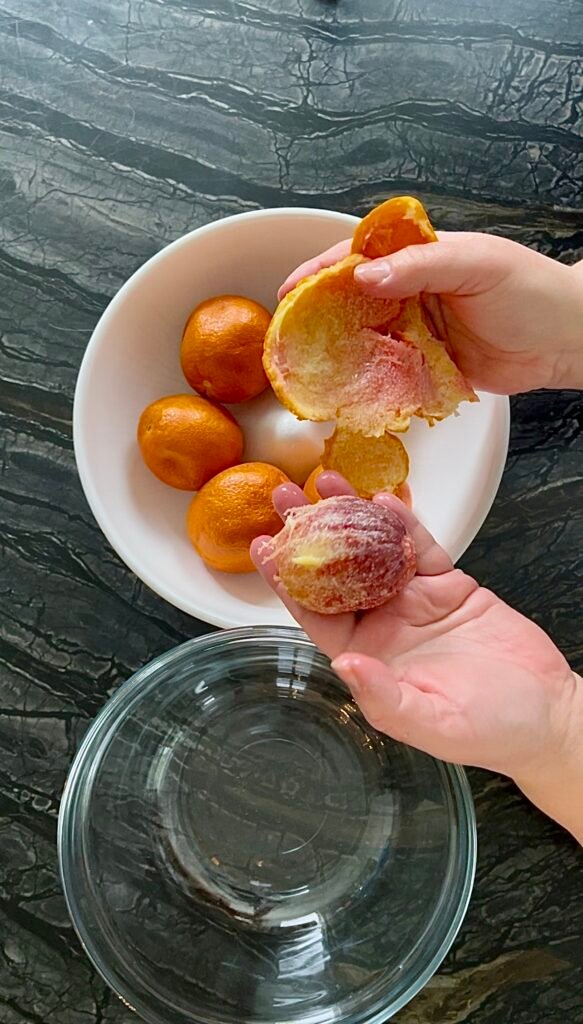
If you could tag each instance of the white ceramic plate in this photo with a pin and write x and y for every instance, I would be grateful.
(133, 358)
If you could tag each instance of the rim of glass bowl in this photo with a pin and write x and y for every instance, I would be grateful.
(79, 785)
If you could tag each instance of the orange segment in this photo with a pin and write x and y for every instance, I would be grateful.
(185, 440)
(230, 511)
(222, 346)
(392, 226)
(334, 353)
(370, 464)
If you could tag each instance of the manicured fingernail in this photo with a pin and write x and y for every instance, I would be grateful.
(348, 675)
(373, 273)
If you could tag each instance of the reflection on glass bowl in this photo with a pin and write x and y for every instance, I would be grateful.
(237, 843)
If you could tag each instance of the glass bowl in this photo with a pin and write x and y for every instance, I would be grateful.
(238, 844)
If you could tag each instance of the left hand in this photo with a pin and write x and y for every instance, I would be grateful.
(446, 666)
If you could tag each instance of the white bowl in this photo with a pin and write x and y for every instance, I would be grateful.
(133, 358)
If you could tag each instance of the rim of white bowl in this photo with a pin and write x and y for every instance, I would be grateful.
(96, 505)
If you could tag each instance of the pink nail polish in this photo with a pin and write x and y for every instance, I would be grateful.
(373, 273)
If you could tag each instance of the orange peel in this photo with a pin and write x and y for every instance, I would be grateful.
(334, 353)
(310, 490)
(393, 225)
(403, 493)
(370, 464)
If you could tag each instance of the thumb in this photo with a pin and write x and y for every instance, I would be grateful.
(394, 706)
(462, 265)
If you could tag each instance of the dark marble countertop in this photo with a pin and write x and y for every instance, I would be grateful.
(123, 125)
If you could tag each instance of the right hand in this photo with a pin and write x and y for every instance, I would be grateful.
(511, 317)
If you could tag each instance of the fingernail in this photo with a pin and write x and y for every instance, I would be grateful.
(376, 272)
(348, 675)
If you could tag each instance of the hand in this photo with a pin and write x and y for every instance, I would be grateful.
(451, 669)
(511, 317)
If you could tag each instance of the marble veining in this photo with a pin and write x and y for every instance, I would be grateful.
(124, 123)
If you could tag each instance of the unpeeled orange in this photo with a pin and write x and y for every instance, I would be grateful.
(222, 347)
(230, 511)
(185, 440)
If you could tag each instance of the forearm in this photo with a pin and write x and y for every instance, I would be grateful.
(570, 367)
(557, 788)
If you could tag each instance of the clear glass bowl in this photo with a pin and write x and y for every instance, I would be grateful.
(238, 844)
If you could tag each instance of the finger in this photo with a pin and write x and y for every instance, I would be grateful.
(461, 264)
(430, 601)
(328, 485)
(428, 607)
(392, 705)
(331, 633)
(332, 485)
(263, 558)
(286, 497)
(325, 259)
(431, 558)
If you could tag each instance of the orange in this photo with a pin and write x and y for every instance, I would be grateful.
(310, 490)
(185, 440)
(222, 347)
(230, 511)
(392, 226)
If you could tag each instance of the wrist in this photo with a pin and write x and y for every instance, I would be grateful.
(555, 786)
